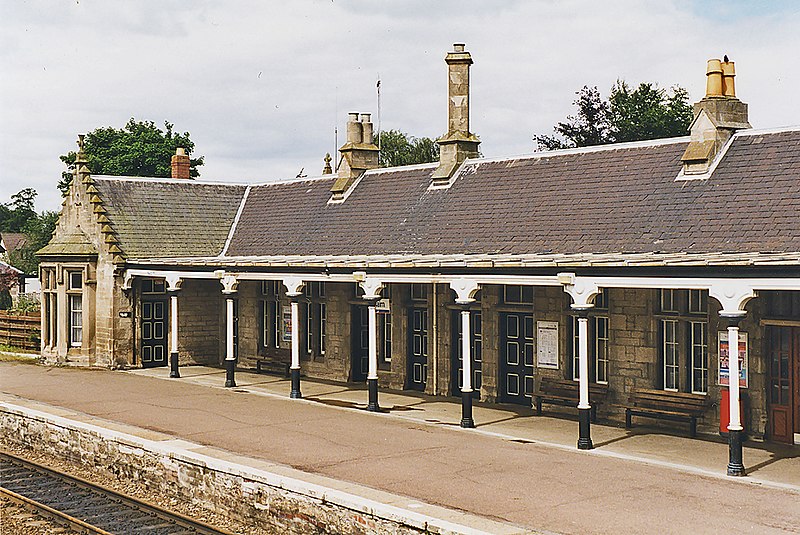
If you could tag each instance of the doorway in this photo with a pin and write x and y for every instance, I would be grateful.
(516, 358)
(783, 384)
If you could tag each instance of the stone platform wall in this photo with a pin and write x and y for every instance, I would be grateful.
(268, 500)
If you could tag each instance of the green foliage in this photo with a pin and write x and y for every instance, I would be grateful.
(646, 112)
(25, 305)
(140, 148)
(398, 148)
(16, 214)
(20, 216)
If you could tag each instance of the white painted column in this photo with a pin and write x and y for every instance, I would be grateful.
(295, 334)
(173, 324)
(466, 353)
(735, 423)
(372, 372)
(229, 329)
(294, 291)
(583, 362)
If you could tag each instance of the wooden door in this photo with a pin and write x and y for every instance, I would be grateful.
(516, 358)
(418, 349)
(783, 355)
(153, 333)
(476, 339)
(359, 365)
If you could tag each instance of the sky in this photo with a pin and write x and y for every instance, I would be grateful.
(261, 86)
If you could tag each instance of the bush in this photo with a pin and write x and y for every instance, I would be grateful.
(26, 304)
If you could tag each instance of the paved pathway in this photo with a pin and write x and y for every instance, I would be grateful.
(515, 467)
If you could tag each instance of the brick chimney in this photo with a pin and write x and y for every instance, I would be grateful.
(717, 116)
(458, 143)
(180, 164)
(359, 153)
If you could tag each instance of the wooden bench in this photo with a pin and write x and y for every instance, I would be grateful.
(272, 366)
(567, 393)
(666, 405)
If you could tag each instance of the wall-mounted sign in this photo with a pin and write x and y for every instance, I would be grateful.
(286, 321)
(724, 355)
(547, 344)
(382, 306)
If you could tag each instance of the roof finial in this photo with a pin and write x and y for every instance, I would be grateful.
(327, 170)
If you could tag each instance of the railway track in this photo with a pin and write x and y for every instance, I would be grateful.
(86, 507)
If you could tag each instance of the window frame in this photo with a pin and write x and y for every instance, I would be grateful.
(684, 311)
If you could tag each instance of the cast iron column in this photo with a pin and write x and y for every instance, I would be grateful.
(173, 334)
(735, 429)
(584, 407)
(372, 373)
(295, 367)
(230, 360)
(466, 369)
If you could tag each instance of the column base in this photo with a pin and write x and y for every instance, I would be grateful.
(173, 366)
(372, 386)
(735, 464)
(466, 410)
(584, 429)
(295, 374)
(230, 371)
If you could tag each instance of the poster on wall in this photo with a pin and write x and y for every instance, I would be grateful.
(547, 344)
(724, 372)
(286, 319)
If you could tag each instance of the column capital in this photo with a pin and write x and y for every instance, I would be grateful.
(229, 284)
(733, 295)
(372, 288)
(465, 290)
(582, 290)
(173, 282)
(294, 285)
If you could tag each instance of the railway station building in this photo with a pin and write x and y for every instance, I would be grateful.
(611, 279)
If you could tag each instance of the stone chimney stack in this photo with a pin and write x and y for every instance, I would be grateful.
(359, 153)
(717, 116)
(180, 164)
(458, 143)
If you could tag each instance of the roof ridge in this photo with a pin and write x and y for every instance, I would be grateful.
(585, 150)
(169, 180)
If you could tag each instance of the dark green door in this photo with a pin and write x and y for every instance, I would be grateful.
(418, 349)
(154, 327)
(516, 358)
(360, 337)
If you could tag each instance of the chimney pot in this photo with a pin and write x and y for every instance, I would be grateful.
(458, 47)
(354, 128)
(714, 78)
(728, 74)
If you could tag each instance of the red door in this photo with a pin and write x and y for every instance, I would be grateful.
(783, 354)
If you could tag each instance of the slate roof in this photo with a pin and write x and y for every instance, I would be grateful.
(614, 200)
(13, 240)
(164, 217)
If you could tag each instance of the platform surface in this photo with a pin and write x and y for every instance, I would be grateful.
(514, 467)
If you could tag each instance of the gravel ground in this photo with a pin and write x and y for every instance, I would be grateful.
(26, 527)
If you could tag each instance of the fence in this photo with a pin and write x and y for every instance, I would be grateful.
(20, 331)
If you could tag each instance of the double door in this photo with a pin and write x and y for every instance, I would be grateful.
(783, 384)
(418, 349)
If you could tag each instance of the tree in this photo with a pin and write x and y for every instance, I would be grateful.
(15, 215)
(398, 148)
(140, 148)
(19, 216)
(646, 112)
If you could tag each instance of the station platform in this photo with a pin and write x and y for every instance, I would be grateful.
(516, 472)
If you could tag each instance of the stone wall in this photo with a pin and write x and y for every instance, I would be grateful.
(201, 324)
(273, 501)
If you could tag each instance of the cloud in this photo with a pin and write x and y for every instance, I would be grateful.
(261, 86)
